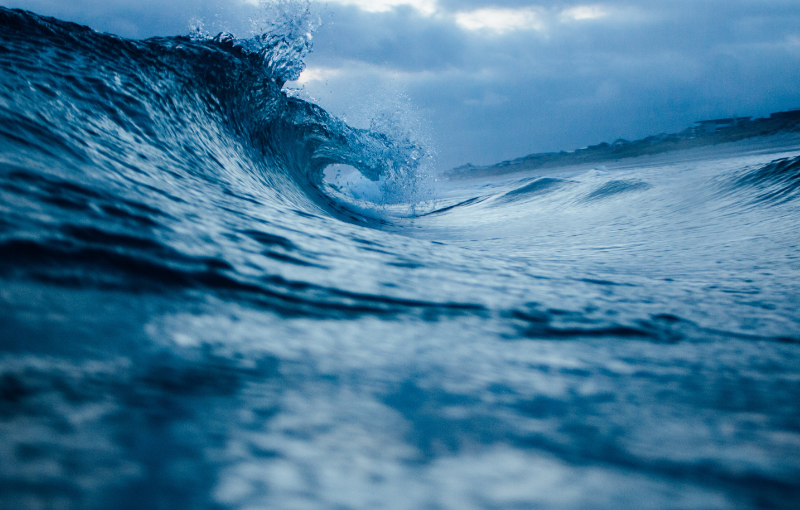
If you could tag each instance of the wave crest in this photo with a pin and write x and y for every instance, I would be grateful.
(183, 106)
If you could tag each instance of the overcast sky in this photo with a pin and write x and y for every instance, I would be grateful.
(495, 80)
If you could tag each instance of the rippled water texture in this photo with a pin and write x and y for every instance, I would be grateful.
(191, 317)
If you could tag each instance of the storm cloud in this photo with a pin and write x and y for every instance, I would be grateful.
(500, 79)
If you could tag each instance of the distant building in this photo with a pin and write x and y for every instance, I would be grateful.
(794, 113)
(711, 126)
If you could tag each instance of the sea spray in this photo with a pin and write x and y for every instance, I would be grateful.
(408, 186)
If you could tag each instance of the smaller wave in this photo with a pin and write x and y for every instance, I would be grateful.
(616, 187)
(538, 187)
(775, 183)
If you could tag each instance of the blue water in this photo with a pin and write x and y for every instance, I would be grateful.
(197, 311)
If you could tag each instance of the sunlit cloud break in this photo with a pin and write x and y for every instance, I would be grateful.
(500, 20)
(426, 7)
(312, 74)
(584, 12)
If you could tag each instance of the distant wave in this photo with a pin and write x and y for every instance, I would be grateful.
(774, 183)
(616, 187)
(537, 187)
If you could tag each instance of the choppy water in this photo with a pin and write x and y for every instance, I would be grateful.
(191, 316)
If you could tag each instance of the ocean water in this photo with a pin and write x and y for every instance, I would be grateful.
(214, 294)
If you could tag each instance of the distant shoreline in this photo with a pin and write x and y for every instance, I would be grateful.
(706, 133)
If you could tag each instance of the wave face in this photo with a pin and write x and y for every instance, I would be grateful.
(191, 316)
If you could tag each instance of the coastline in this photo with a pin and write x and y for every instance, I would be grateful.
(778, 130)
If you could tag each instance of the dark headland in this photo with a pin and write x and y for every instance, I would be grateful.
(706, 132)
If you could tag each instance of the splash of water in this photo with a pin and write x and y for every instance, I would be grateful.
(281, 36)
(407, 185)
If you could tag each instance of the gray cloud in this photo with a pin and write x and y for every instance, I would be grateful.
(401, 39)
(494, 96)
